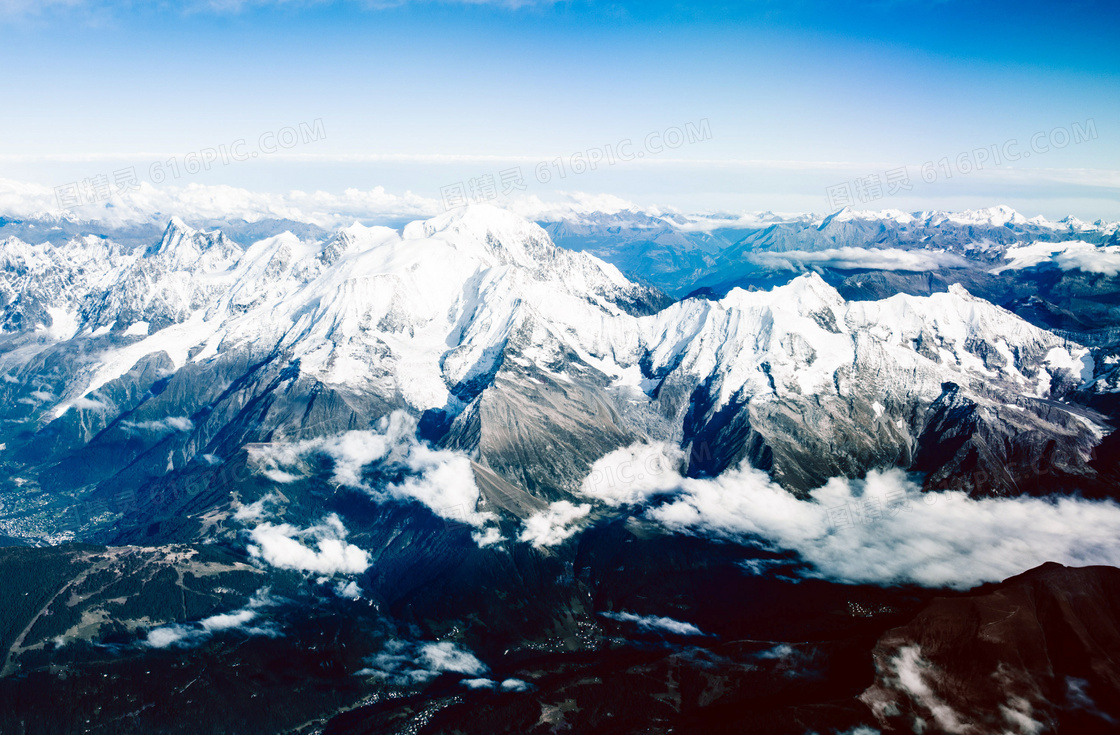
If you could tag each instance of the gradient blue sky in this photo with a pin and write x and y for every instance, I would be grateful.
(799, 95)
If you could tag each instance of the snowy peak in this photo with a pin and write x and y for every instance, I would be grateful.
(807, 294)
(805, 339)
(356, 238)
(174, 235)
(495, 235)
(185, 248)
(998, 216)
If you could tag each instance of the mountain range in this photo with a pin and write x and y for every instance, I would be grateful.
(510, 445)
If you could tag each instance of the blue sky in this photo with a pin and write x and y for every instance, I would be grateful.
(799, 96)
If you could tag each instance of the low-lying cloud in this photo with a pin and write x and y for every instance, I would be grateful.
(633, 474)
(440, 479)
(883, 529)
(167, 425)
(506, 685)
(851, 258)
(410, 664)
(556, 524)
(652, 623)
(257, 510)
(1068, 256)
(188, 635)
(1105, 261)
(321, 549)
(202, 202)
(89, 404)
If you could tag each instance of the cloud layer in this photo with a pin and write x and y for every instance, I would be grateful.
(880, 530)
(506, 685)
(196, 202)
(850, 258)
(1068, 256)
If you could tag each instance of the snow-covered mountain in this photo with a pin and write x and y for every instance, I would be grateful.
(810, 386)
(125, 369)
(724, 251)
(1062, 276)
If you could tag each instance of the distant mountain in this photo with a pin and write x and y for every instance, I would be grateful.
(1057, 275)
(740, 251)
(671, 251)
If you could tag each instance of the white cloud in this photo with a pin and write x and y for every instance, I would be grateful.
(555, 524)
(570, 204)
(881, 530)
(321, 548)
(851, 258)
(150, 203)
(654, 622)
(281, 462)
(748, 221)
(885, 531)
(1105, 260)
(1018, 713)
(440, 479)
(257, 510)
(409, 664)
(515, 685)
(479, 683)
(37, 397)
(508, 685)
(350, 590)
(487, 536)
(910, 674)
(160, 426)
(228, 620)
(202, 202)
(1072, 255)
(185, 635)
(82, 402)
(633, 474)
(172, 635)
(354, 450)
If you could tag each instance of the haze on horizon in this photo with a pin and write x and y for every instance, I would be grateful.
(978, 105)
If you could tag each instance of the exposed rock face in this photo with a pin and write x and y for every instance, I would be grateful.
(1039, 652)
(809, 386)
